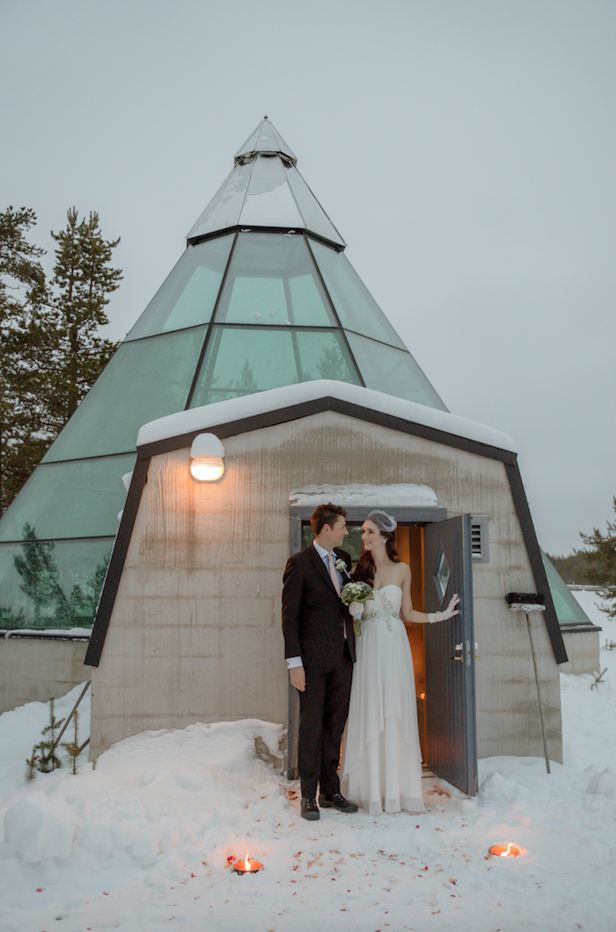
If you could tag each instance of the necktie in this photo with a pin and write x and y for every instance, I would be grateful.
(332, 571)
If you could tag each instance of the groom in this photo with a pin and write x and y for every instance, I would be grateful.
(320, 651)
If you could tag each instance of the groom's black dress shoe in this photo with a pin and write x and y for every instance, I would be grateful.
(309, 809)
(337, 802)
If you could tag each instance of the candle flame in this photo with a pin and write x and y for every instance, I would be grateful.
(247, 866)
(507, 851)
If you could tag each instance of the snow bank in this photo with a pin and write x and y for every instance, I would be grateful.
(156, 826)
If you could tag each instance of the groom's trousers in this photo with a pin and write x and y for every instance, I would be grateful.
(324, 706)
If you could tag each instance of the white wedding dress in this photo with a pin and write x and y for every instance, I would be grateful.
(381, 767)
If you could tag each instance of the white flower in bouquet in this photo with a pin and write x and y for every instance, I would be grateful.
(355, 594)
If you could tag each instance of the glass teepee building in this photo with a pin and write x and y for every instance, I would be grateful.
(262, 297)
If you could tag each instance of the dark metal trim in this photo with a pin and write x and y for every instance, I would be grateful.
(116, 564)
(210, 326)
(242, 228)
(58, 540)
(534, 555)
(334, 312)
(151, 336)
(85, 459)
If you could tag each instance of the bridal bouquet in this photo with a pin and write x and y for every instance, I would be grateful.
(358, 592)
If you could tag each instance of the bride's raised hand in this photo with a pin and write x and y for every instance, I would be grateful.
(449, 612)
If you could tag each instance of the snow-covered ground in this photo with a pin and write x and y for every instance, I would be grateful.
(144, 841)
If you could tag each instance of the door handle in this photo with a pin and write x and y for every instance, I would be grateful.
(464, 653)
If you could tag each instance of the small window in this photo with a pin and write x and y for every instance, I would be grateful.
(479, 539)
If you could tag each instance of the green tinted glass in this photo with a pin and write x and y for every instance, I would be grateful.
(80, 498)
(242, 361)
(145, 380)
(354, 304)
(568, 609)
(188, 295)
(393, 372)
(51, 584)
(272, 279)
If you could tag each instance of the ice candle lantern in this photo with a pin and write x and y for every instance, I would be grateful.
(247, 866)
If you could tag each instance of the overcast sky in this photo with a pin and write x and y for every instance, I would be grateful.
(464, 150)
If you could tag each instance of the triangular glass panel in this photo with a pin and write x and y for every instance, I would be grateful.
(568, 609)
(130, 392)
(188, 295)
(392, 371)
(355, 306)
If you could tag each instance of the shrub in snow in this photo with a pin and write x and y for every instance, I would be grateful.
(44, 757)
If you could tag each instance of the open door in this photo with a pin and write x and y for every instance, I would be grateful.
(451, 739)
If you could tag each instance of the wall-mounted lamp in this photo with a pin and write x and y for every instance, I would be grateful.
(207, 458)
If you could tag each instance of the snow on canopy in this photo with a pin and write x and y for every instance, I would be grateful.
(413, 495)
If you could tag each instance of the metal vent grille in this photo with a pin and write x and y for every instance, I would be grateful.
(479, 539)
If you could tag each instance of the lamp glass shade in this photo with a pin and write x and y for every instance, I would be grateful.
(207, 469)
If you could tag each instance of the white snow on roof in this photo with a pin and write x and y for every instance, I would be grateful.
(409, 494)
(223, 412)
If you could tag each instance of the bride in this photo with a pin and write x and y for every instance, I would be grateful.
(381, 767)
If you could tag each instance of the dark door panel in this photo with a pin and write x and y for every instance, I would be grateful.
(450, 655)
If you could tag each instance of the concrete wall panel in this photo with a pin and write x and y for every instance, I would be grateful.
(34, 669)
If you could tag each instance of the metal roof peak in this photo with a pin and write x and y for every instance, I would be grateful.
(265, 140)
(265, 190)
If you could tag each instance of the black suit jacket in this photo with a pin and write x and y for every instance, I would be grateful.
(313, 615)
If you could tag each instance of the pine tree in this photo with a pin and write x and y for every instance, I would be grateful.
(44, 757)
(73, 748)
(50, 349)
(601, 563)
(82, 281)
(22, 282)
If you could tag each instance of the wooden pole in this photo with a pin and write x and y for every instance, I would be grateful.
(532, 650)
